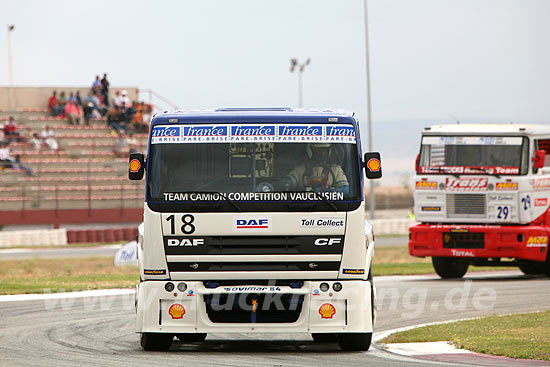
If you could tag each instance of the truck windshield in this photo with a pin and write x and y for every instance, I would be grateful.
(479, 155)
(271, 171)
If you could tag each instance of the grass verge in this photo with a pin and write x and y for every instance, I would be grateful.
(516, 336)
(60, 275)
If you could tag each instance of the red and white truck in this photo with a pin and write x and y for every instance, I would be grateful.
(482, 196)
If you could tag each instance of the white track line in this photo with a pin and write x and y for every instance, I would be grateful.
(91, 293)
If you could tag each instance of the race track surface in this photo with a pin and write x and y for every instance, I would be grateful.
(100, 330)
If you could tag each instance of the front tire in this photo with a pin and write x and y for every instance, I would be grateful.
(355, 341)
(156, 341)
(449, 267)
(532, 268)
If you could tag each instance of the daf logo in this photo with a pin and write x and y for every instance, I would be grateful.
(327, 241)
(185, 242)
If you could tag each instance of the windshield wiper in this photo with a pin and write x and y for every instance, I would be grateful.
(484, 170)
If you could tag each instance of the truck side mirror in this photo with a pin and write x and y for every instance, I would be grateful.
(538, 159)
(136, 166)
(416, 163)
(372, 165)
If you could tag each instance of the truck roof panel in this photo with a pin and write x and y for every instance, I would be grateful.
(497, 129)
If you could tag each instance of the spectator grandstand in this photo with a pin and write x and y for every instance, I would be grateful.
(82, 181)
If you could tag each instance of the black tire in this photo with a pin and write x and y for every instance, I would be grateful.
(156, 341)
(324, 337)
(449, 267)
(355, 341)
(532, 268)
(191, 337)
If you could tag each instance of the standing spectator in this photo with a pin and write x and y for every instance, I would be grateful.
(105, 90)
(96, 84)
(53, 104)
(73, 112)
(48, 138)
(77, 99)
(62, 102)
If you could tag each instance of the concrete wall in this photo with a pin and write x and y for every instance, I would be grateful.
(13, 98)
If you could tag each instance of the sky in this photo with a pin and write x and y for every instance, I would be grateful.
(432, 61)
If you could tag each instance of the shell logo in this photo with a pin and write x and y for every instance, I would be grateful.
(327, 311)
(176, 311)
(135, 165)
(374, 165)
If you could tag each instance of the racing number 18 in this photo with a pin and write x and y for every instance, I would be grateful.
(187, 227)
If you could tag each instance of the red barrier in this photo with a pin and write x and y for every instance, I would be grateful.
(91, 235)
(71, 236)
(100, 235)
(129, 234)
(109, 235)
(81, 237)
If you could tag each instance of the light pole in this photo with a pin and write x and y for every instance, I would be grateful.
(372, 198)
(10, 71)
(295, 65)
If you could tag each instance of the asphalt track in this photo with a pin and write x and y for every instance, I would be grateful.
(99, 330)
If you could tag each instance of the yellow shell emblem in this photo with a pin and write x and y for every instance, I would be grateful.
(135, 165)
(374, 165)
(176, 311)
(327, 311)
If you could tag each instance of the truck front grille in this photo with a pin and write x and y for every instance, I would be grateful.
(469, 205)
(240, 307)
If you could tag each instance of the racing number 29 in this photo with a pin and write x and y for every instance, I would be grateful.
(187, 227)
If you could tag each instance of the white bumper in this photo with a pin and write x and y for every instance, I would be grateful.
(321, 312)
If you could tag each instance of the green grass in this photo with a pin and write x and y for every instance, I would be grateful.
(517, 336)
(64, 275)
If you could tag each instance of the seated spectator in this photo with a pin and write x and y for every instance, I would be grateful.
(117, 100)
(125, 98)
(147, 111)
(36, 141)
(62, 102)
(115, 120)
(73, 112)
(48, 137)
(77, 99)
(71, 97)
(53, 105)
(10, 130)
(18, 165)
(121, 147)
(6, 160)
(138, 124)
(98, 101)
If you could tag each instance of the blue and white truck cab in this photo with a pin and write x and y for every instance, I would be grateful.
(254, 222)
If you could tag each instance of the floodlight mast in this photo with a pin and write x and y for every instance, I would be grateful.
(295, 65)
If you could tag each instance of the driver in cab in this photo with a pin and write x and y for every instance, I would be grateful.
(317, 173)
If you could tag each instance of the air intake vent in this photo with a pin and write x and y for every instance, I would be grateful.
(466, 205)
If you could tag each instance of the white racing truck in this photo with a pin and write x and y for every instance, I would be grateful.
(254, 222)
(482, 195)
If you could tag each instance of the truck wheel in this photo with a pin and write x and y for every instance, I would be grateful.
(323, 337)
(532, 268)
(191, 337)
(156, 341)
(449, 267)
(354, 341)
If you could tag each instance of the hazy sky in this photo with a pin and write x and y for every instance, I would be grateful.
(476, 60)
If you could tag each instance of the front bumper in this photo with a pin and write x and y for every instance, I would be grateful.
(519, 242)
(321, 312)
